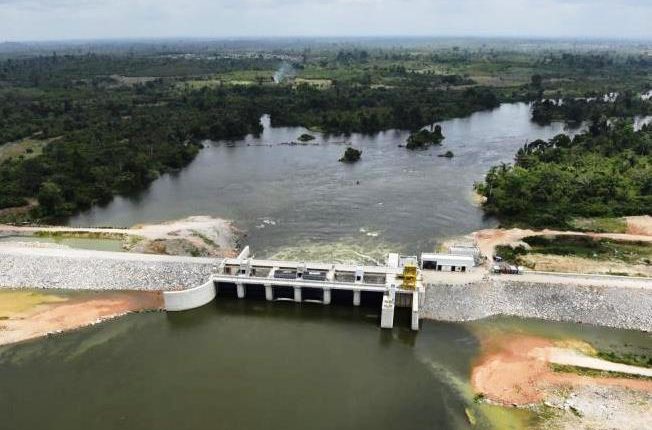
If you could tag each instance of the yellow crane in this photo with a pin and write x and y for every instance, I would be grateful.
(409, 276)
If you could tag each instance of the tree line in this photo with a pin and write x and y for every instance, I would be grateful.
(604, 172)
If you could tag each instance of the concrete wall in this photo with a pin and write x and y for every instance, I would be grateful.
(620, 307)
(192, 298)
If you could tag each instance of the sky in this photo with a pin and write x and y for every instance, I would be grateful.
(30, 20)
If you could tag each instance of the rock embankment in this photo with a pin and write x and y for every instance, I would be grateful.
(616, 306)
(97, 270)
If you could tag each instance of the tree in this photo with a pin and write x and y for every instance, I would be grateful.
(351, 155)
(537, 80)
(50, 198)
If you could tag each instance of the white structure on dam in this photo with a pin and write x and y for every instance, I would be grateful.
(398, 284)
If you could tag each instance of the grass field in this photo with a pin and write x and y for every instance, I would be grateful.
(600, 225)
(26, 148)
(584, 251)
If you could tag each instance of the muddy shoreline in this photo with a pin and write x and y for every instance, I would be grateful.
(31, 314)
(516, 370)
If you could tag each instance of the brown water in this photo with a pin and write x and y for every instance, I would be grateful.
(252, 365)
(299, 199)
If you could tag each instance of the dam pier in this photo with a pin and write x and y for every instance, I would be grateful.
(397, 284)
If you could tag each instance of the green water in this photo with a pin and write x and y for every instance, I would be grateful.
(114, 245)
(253, 365)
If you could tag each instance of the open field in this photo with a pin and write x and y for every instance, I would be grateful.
(581, 254)
(600, 225)
(26, 148)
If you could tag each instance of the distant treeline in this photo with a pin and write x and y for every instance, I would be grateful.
(604, 172)
(578, 110)
(67, 71)
(354, 108)
(115, 135)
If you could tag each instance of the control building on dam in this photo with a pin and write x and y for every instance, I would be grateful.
(397, 284)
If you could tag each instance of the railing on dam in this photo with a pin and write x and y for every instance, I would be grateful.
(305, 281)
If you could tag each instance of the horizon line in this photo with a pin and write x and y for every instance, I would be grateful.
(584, 38)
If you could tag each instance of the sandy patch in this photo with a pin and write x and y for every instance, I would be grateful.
(27, 316)
(488, 240)
(601, 408)
(639, 225)
(515, 370)
(197, 236)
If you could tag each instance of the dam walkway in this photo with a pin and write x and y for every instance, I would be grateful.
(310, 282)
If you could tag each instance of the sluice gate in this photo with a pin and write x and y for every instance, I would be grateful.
(398, 284)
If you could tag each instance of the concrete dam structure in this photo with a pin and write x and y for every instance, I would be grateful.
(398, 284)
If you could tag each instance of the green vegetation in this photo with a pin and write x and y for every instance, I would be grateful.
(447, 154)
(511, 254)
(207, 240)
(76, 129)
(578, 110)
(79, 235)
(25, 148)
(605, 172)
(627, 358)
(579, 246)
(306, 137)
(351, 155)
(599, 225)
(423, 139)
(583, 371)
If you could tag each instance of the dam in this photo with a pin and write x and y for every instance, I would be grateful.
(397, 284)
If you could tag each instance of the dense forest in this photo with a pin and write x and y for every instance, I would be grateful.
(604, 172)
(111, 137)
(578, 110)
(84, 126)
(107, 145)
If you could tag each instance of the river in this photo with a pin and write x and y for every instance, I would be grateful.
(250, 365)
(253, 365)
(298, 201)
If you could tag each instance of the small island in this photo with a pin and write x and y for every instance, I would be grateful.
(306, 137)
(351, 155)
(447, 154)
(423, 139)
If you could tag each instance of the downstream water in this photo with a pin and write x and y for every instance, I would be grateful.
(253, 365)
(299, 200)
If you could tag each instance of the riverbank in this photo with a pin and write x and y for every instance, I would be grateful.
(29, 314)
(518, 370)
(196, 236)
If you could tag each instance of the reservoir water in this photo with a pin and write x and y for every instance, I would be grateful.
(254, 365)
(298, 201)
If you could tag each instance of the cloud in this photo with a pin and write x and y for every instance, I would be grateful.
(67, 19)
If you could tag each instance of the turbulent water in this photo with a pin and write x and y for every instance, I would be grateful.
(296, 200)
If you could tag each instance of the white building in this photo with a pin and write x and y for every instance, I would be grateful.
(447, 262)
